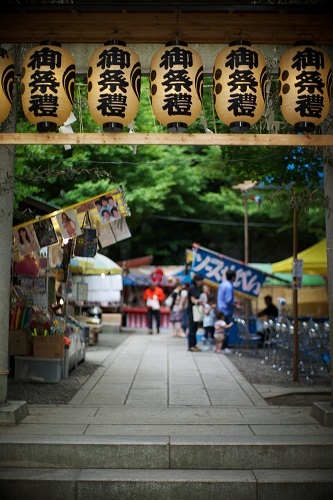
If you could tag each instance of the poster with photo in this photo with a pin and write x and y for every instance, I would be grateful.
(105, 235)
(55, 256)
(69, 224)
(45, 233)
(26, 240)
(107, 209)
(120, 229)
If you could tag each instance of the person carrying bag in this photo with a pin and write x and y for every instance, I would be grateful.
(153, 298)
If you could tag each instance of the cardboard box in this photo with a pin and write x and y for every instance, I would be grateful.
(48, 346)
(19, 343)
(111, 322)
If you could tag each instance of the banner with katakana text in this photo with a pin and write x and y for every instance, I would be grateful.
(213, 267)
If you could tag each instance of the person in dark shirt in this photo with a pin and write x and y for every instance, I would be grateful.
(271, 311)
(193, 299)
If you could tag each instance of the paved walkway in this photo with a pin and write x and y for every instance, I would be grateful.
(152, 386)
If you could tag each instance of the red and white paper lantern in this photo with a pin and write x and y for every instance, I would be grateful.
(176, 85)
(239, 85)
(305, 86)
(7, 73)
(114, 83)
(47, 86)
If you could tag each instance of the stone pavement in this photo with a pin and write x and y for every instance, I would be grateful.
(151, 385)
(156, 422)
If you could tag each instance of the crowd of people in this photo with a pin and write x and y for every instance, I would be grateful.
(213, 312)
(193, 306)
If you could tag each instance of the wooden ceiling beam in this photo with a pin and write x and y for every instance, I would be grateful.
(157, 23)
(185, 139)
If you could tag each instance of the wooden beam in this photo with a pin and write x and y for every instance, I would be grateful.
(153, 23)
(184, 139)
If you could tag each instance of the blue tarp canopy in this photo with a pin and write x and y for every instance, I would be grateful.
(130, 280)
(183, 278)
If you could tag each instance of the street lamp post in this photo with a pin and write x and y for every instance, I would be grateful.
(244, 188)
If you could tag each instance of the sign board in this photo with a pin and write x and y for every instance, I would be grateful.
(48, 346)
(213, 267)
(297, 273)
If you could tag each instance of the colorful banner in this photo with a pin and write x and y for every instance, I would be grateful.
(213, 267)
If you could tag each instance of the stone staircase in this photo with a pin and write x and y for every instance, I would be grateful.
(178, 467)
(142, 428)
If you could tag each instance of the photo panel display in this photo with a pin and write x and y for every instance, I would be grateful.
(105, 235)
(120, 229)
(109, 206)
(45, 233)
(26, 240)
(68, 224)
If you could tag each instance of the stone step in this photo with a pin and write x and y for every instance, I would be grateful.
(86, 484)
(163, 452)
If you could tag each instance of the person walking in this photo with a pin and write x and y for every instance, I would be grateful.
(153, 296)
(183, 304)
(176, 312)
(226, 303)
(193, 301)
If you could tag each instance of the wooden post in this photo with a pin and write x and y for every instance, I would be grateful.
(295, 301)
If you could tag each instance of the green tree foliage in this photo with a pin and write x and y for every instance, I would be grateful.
(179, 195)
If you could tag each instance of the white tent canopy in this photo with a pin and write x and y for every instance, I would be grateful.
(94, 265)
(100, 277)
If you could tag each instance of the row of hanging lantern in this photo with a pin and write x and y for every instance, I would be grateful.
(305, 81)
(7, 73)
(47, 85)
(239, 85)
(114, 80)
(176, 85)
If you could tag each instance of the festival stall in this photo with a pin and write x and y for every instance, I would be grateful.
(96, 294)
(214, 266)
(314, 261)
(45, 340)
(312, 291)
(254, 281)
(135, 281)
(312, 296)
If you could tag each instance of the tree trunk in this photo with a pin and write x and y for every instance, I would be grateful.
(7, 170)
(328, 188)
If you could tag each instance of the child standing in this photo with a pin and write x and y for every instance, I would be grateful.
(220, 326)
(209, 318)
